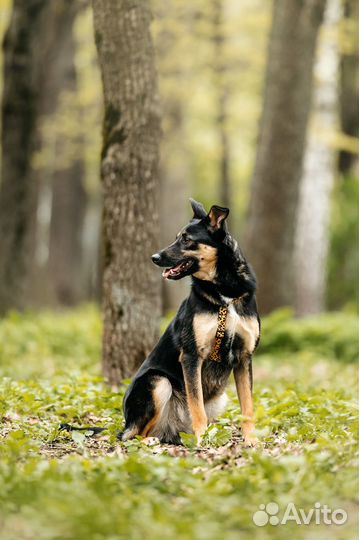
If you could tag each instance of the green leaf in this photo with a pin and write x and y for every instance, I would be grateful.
(78, 437)
(188, 440)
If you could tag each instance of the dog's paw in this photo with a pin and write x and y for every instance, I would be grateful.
(251, 441)
(199, 434)
(150, 441)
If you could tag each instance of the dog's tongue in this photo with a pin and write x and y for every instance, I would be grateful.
(171, 272)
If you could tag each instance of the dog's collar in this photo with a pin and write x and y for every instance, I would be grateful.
(223, 300)
(221, 326)
(227, 301)
(222, 318)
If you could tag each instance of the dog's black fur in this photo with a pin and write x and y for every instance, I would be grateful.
(177, 384)
(178, 388)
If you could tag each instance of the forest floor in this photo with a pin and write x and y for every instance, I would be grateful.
(56, 485)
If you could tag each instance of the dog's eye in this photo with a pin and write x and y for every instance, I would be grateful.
(186, 239)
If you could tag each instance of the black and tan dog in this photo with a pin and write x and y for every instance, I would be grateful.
(181, 385)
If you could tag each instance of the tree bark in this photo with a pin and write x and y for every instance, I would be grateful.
(274, 193)
(349, 90)
(312, 233)
(129, 170)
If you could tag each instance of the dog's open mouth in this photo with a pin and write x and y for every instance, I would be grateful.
(178, 270)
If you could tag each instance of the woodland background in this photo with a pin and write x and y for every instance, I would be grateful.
(113, 114)
(211, 60)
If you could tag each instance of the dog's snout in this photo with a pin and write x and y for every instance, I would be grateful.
(156, 257)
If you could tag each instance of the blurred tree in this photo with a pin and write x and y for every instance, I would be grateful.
(221, 87)
(22, 82)
(174, 204)
(192, 81)
(131, 284)
(349, 85)
(67, 166)
(29, 45)
(68, 190)
(275, 186)
(343, 286)
(312, 233)
(174, 168)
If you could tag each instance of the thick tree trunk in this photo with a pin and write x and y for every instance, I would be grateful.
(349, 90)
(312, 234)
(275, 186)
(68, 197)
(131, 284)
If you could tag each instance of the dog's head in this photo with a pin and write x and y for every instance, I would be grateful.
(194, 252)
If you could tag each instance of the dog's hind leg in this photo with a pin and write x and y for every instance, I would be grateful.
(144, 405)
(161, 394)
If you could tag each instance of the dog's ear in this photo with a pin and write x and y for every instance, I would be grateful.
(217, 216)
(198, 209)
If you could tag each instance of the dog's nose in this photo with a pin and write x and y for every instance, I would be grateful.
(156, 257)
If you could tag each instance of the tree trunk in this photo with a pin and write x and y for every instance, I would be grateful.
(312, 234)
(275, 186)
(349, 90)
(68, 197)
(66, 227)
(19, 111)
(28, 48)
(91, 272)
(129, 170)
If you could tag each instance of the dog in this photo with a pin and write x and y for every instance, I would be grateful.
(181, 386)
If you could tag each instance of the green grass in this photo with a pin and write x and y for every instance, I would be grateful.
(54, 486)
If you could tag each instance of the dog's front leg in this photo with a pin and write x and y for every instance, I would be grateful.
(244, 385)
(192, 372)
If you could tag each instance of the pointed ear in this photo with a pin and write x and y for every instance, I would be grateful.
(217, 216)
(198, 210)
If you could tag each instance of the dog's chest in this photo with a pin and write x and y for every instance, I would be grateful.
(205, 327)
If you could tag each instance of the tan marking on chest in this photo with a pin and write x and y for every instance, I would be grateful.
(205, 326)
(246, 327)
(207, 259)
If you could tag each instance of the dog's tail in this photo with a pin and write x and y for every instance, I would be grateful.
(95, 430)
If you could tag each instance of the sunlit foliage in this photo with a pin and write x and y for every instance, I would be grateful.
(54, 485)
